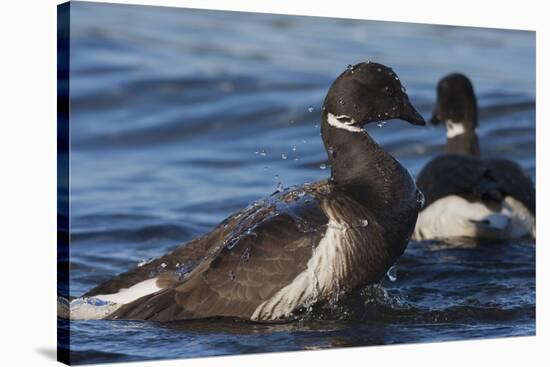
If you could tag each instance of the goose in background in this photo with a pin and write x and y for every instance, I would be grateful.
(465, 195)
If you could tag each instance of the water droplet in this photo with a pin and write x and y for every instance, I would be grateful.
(324, 108)
(316, 125)
(280, 186)
(310, 108)
(294, 148)
(297, 158)
(323, 166)
(381, 123)
(246, 254)
(392, 274)
(263, 152)
(396, 78)
(250, 232)
(379, 70)
(403, 89)
(350, 68)
(266, 168)
(232, 275)
(332, 152)
(420, 198)
(364, 223)
(304, 141)
(276, 177)
(284, 156)
(232, 243)
(163, 265)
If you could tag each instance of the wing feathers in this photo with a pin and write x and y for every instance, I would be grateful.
(267, 248)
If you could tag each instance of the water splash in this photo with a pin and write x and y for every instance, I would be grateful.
(183, 270)
(85, 308)
(310, 108)
(144, 262)
(392, 274)
(323, 166)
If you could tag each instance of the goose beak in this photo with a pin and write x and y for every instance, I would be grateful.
(409, 114)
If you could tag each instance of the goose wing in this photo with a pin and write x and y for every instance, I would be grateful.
(242, 263)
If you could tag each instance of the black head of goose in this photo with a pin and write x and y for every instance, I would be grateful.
(456, 106)
(303, 245)
(467, 196)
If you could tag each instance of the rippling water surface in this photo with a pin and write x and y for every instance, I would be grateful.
(172, 111)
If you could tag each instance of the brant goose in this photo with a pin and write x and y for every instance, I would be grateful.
(466, 196)
(303, 245)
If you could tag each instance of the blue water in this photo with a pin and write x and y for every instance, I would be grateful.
(169, 111)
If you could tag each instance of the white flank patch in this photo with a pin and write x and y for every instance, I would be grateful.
(127, 295)
(522, 221)
(453, 216)
(454, 129)
(322, 277)
(334, 122)
(101, 306)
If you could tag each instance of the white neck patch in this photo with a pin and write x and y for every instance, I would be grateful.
(454, 129)
(335, 122)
